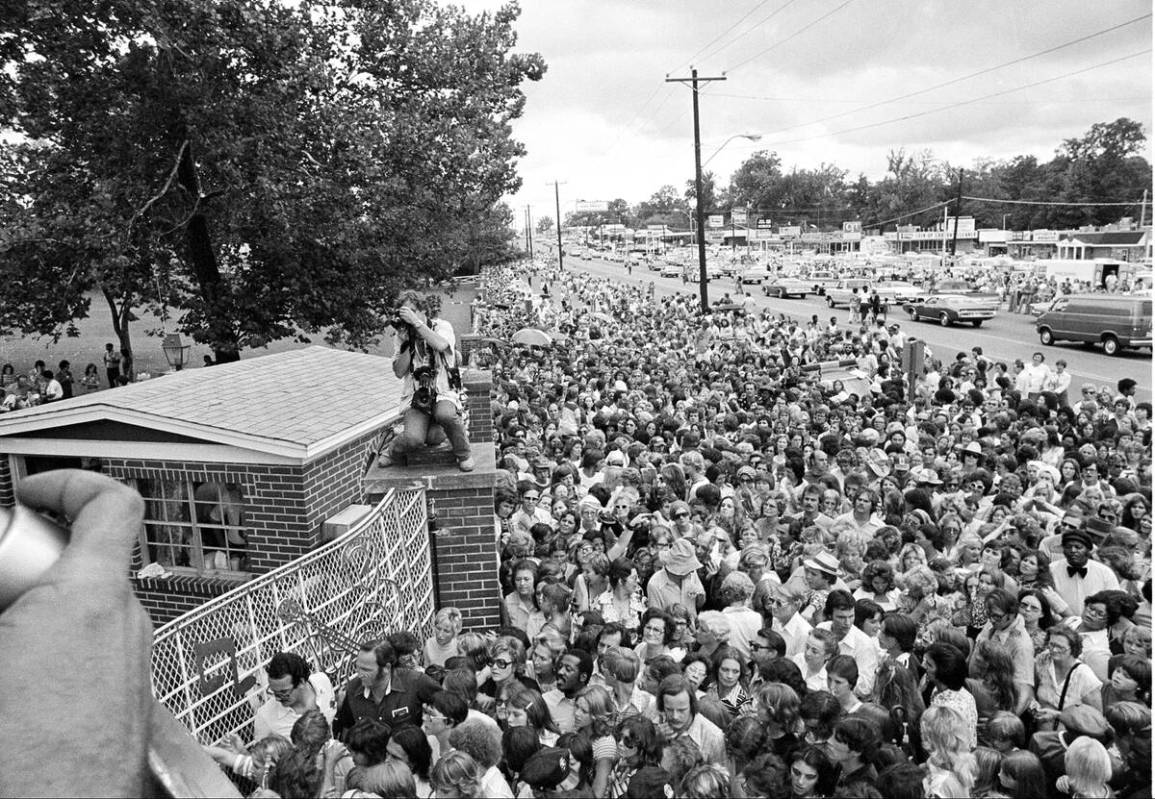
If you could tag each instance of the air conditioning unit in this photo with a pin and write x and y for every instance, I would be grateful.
(343, 521)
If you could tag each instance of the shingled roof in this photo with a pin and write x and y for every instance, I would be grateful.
(299, 403)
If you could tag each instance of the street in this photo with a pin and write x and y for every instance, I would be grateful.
(1004, 338)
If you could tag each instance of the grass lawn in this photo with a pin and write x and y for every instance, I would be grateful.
(96, 331)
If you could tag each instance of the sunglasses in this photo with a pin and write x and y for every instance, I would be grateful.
(502, 663)
(629, 742)
(681, 515)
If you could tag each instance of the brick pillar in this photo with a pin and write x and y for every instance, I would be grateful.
(465, 544)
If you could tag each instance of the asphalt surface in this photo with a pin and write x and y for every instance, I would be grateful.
(1004, 338)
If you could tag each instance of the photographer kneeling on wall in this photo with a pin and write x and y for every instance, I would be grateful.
(425, 352)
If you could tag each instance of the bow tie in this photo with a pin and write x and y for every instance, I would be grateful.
(1072, 571)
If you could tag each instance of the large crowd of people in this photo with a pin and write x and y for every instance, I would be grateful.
(726, 574)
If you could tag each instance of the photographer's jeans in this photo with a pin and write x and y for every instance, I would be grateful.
(413, 437)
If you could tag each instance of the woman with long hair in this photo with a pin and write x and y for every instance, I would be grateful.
(810, 774)
(951, 766)
(456, 776)
(1022, 776)
(995, 667)
(638, 744)
(408, 745)
(731, 678)
(524, 707)
(594, 714)
(896, 689)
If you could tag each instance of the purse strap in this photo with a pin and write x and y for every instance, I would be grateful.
(1067, 684)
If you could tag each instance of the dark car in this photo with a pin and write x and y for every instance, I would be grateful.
(947, 309)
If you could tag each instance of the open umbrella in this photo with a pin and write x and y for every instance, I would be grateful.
(532, 337)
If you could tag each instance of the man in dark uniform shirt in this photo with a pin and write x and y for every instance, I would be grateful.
(393, 696)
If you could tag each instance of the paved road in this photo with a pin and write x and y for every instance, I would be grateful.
(1004, 338)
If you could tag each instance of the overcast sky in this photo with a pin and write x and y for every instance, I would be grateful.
(815, 78)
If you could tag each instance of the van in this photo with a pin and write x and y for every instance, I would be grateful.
(1114, 320)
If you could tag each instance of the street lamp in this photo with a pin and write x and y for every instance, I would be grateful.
(175, 350)
(699, 213)
(750, 136)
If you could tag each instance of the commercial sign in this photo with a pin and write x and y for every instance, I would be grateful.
(738, 216)
(790, 231)
(851, 227)
(966, 226)
(659, 228)
(1045, 236)
(766, 223)
(715, 220)
(591, 206)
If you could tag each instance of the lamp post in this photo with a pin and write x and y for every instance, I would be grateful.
(750, 136)
(175, 350)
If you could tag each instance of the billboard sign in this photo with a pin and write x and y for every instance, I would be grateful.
(738, 216)
(591, 206)
(790, 231)
(715, 220)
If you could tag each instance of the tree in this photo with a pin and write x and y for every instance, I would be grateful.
(545, 224)
(1103, 166)
(266, 169)
(664, 207)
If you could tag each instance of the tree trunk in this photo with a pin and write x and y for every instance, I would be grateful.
(203, 260)
(120, 314)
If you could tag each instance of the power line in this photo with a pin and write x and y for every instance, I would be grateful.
(725, 33)
(1047, 202)
(979, 73)
(813, 100)
(792, 36)
(965, 102)
(751, 29)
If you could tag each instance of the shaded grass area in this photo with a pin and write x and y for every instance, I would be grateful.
(23, 351)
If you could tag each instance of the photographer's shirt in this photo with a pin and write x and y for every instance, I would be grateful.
(424, 355)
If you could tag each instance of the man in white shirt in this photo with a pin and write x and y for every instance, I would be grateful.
(1033, 379)
(1076, 576)
(851, 640)
(788, 622)
(292, 690)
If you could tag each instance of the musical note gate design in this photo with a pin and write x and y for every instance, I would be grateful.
(208, 665)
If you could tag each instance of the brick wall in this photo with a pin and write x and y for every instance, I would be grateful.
(285, 508)
(464, 544)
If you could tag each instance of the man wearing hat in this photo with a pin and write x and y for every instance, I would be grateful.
(1076, 576)
(677, 582)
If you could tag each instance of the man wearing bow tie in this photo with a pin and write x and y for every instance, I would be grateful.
(1076, 575)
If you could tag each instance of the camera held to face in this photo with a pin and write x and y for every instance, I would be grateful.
(425, 389)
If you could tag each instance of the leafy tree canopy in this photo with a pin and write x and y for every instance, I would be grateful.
(265, 168)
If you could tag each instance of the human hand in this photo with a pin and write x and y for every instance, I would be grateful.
(410, 316)
(74, 651)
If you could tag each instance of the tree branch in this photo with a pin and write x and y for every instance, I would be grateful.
(167, 185)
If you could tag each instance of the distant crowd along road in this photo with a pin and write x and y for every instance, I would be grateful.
(1006, 337)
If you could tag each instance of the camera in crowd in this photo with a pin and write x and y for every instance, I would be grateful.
(424, 389)
(393, 319)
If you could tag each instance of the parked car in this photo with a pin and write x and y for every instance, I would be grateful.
(820, 281)
(787, 287)
(756, 274)
(896, 292)
(671, 270)
(1115, 321)
(838, 296)
(947, 309)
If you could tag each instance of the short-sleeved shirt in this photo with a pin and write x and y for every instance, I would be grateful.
(273, 718)
(663, 593)
(1049, 688)
(1017, 641)
(399, 707)
(964, 702)
(561, 710)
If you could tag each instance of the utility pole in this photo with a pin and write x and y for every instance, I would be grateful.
(1143, 211)
(702, 280)
(557, 210)
(529, 229)
(957, 213)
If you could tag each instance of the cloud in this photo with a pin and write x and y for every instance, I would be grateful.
(605, 121)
